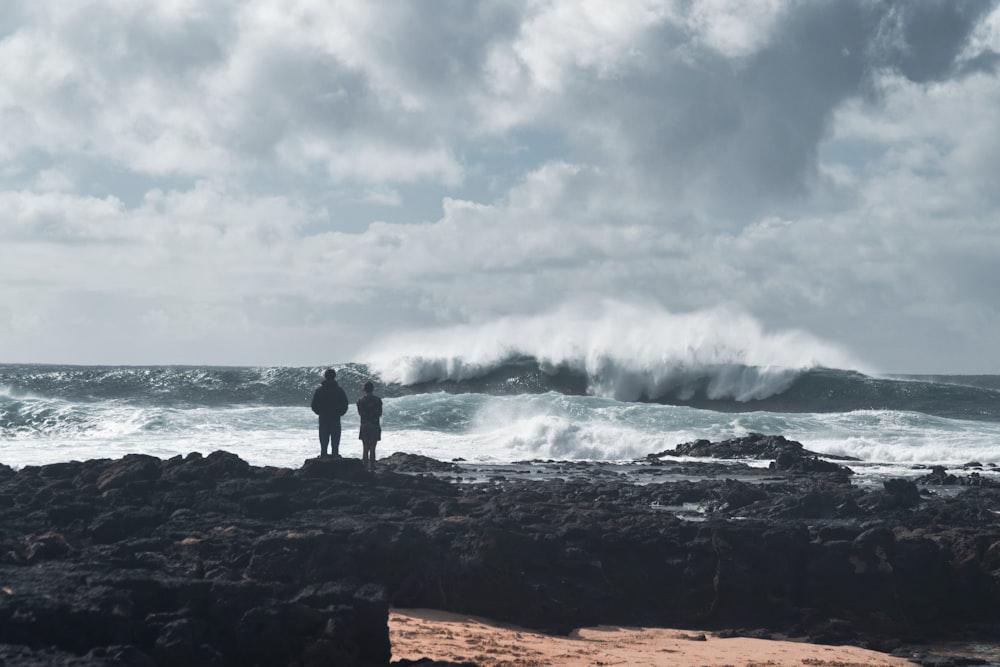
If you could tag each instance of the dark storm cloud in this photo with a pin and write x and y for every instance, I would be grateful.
(744, 133)
(448, 51)
(922, 39)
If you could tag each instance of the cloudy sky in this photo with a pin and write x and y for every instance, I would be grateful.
(281, 181)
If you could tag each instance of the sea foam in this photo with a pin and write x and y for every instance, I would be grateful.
(626, 350)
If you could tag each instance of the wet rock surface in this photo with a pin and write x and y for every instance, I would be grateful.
(207, 560)
(752, 446)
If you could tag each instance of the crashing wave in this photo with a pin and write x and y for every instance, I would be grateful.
(625, 351)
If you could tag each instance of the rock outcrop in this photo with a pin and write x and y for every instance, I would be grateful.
(211, 561)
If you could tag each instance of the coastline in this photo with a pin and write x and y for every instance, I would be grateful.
(457, 638)
(210, 560)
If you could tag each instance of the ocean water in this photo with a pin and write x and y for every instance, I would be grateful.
(500, 411)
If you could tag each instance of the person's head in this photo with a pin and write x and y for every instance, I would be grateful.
(330, 374)
(368, 387)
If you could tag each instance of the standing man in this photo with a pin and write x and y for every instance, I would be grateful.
(329, 402)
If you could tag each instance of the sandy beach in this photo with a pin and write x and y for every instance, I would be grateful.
(417, 633)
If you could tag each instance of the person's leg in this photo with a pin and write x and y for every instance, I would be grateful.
(335, 436)
(324, 435)
(368, 454)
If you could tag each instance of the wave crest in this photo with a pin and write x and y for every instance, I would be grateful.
(626, 351)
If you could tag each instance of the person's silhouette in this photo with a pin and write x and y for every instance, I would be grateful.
(329, 402)
(370, 414)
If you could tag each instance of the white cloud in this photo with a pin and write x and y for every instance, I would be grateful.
(381, 195)
(53, 180)
(985, 38)
(733, 28)
(563, 36)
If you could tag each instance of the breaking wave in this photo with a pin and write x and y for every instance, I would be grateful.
(624, 351)
(716, 360)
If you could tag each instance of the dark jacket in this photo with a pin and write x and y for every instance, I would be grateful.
(329, 400)
(370, 409)
(369, 412)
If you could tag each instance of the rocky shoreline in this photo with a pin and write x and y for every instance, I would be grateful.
(207, 560)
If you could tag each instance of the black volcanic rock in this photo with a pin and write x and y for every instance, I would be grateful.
(403, 462)
(796, 461)
(752, 446)
(939, 476)
(208, 560)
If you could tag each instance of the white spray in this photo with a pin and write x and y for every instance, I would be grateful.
(627, 350)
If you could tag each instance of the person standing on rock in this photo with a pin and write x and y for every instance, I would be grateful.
(369, 412)
(329, 402)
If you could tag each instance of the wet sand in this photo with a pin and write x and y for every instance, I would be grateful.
(417, 633)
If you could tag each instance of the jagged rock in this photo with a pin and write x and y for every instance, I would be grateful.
(403, 462)
(903, 492)
(795, 461)
(208, 560)
(45, 546)
(740, 494)
(332, 467)
(752, 446)
(130, 469)
(939, 476)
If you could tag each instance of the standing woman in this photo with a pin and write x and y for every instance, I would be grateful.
(370, 412)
